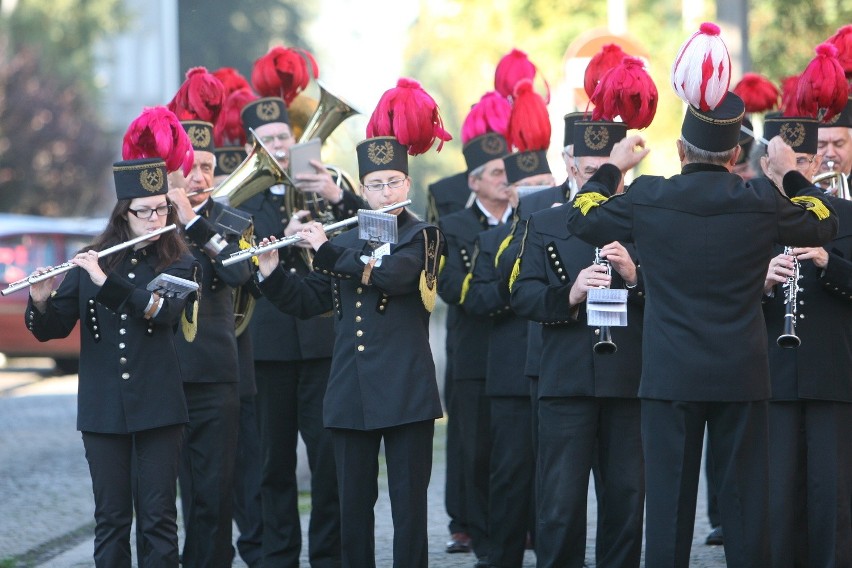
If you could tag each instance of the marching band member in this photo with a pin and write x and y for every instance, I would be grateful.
(588, 410)
(705, 237)
(292, 357)
(379, 306)
(130, 402)
(811, 384)
(835, 142)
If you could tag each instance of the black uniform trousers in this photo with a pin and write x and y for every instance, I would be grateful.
(207, 472)
(672, 437)
(511, 482)
(289, 397)
(454, 496)
(408, 455)
(576, 434)
(810, 457)
(472, 409)
(135, 469)
(712, 493)
(247, 502)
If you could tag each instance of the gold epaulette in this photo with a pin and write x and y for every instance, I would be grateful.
(814, 205)
(585, 201)
(189, 325)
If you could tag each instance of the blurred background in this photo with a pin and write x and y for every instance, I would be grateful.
(74, 74)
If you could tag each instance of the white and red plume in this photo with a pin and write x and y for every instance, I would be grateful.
(283, 72)
(157, 133)
(200, 97)
(490, 114)
(627, 91)
(409, 114)
(758, 93)
(823, 90)
(529, 124)
(701, 72)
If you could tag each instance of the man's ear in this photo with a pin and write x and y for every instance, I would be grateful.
(680, 153)
(735, 156)
(471, 183)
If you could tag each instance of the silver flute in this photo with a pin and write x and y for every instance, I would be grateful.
(246, 254)
(66, 266)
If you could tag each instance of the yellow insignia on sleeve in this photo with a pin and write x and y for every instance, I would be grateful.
(465, 287)
(814, 205)
(586, 201)
(516, 269)
(190, 328)
(434, 261)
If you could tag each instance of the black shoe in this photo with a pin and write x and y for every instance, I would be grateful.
(459, 542)
(482, 563)
(715, 538)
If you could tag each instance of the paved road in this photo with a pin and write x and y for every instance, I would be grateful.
(46, 500)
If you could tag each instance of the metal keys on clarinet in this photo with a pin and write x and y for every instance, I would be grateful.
(788, 338)
(606, 345)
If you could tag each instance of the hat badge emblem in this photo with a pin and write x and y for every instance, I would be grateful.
(596, 137)
(200, 136)
(151, 180)
(229, 162)
(380, 153)
(528, 162)
(268, 111)
(493, 145)
(792, 133)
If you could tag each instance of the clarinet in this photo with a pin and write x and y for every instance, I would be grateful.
(788, 339)
(606, 345)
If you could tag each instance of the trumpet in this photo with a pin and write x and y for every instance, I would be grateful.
(66, 266)
(788, 338)
(246, 254)
(838, 185)
(606, 345)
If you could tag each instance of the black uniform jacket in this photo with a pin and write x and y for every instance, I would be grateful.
(382, 371)
(705, 238)
(469, 331)
(130, 373)
(277, 336)
(821, 367)
(212, 356)
(550, 261)
(489, 295)
(447, 195)
(528, 205)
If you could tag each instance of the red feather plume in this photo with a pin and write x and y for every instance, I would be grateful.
(789, 85)
(757, 92)
(627, 91)
(608, 57)
(823, 90)
(842, 40)
(409, 114)
(157, 133)
(231, 79)
(200, 97)
(513, 68)
(228, 130)
(529, 124)
(490, 114)
(284, 72)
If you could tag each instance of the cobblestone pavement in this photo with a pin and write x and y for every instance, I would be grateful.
(46, 500)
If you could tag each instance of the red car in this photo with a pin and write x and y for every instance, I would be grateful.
(27, 242)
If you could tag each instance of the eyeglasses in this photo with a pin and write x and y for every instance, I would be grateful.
(802, 161)
(283, 137)
(146, 214)
(391, 183)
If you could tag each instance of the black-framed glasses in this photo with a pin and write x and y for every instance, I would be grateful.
(282, 137)
(395, 183)
(161, 211)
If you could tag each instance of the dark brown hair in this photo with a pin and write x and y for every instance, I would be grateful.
(170, 246)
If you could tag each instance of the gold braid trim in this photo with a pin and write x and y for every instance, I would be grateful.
(516, 268)
(504, 244)
(814, 205)
(431, 268)
(586, 201)
(190, 328)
